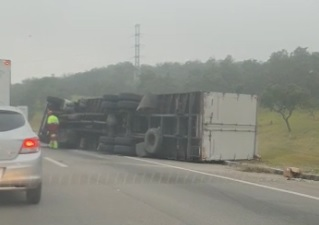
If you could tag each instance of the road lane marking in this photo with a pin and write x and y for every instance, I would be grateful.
(91, 154)
(111, 157)
(227, 178)
(55, 162)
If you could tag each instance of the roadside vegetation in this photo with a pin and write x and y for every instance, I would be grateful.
(299, 148)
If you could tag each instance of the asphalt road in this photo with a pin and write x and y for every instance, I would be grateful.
(83, 188)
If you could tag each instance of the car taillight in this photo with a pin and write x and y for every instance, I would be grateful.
(30, 145)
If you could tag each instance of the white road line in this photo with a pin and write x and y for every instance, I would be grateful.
(55, 162)
(108, 157)
(93, 154)
(228, 178)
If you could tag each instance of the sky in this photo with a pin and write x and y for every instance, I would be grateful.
(46, 37)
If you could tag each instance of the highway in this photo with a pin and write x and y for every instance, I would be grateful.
(87, 188)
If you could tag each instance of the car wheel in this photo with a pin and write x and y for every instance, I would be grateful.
(34, 195)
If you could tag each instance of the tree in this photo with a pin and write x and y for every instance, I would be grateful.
(299, 67)
(284, 100)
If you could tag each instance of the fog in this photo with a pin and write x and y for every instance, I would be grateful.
(45, 37)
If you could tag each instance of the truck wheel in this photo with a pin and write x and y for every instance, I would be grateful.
(111, 98)
(68, 138)
(124, 141)
(127, 105)
(106, 140)
(70, 109)
(153, 140)
(34, 195)
(55, 100)
(73, 116)
(130, 97)
(124, 150)
(105, 148)
(108, 105)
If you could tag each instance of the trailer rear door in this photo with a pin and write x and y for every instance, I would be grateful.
(229, 126)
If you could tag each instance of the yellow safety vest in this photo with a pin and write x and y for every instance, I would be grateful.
(52, 119)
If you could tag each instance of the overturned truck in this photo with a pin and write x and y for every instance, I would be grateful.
(196, 126)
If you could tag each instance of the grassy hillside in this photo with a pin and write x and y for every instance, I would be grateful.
(300, 148)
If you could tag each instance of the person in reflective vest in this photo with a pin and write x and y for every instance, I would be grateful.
(53, 127)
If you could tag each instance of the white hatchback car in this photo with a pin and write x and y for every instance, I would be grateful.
(20, 155)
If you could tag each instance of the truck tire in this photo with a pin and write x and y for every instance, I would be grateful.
(124, 141)
(73, 116)
(153, 140)
(106, 140)
(111, 98)
(107, 105)
(124, 150)
(105, 148)
(130, 97)
(68, 138)
(55, 100)
(127, 105)
(69, 109)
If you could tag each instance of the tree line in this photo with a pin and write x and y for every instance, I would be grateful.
(286, 81)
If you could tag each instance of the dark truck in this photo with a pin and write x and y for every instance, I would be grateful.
(196, 126)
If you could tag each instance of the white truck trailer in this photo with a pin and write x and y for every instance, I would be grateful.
(195, 126)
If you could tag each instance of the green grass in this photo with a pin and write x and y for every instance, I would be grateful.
(279, 148)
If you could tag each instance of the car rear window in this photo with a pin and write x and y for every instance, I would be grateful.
(10, 120)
